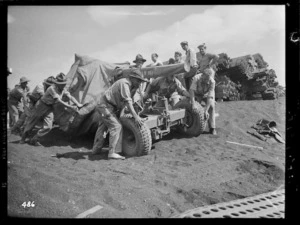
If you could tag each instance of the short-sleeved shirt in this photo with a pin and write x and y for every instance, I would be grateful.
(17, 93)
(190, 59)
(52, 94)
(202, 87)
(157, 63)
(164, 88)
(37, 92)
(203, 60)
(119, 93)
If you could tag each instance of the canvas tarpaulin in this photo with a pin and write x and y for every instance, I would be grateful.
(87, 80)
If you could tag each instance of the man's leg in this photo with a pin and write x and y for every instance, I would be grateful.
(14, 113)
(115, 130)
(211, 120)
(115, 134)
(189, 76)
(17, 127)
(47, 127)
(99, 138)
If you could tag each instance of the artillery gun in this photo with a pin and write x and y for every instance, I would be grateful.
(159, 117)
(88, 78)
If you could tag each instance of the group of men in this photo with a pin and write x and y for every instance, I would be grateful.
(32, 112)
(199, 82)
(37, 109)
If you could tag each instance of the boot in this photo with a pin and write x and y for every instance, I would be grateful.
(115, 156)
(213, 131)
(35, 142)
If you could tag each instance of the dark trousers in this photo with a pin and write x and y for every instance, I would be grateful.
(189, 76)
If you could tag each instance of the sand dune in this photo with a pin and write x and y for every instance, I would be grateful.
(179, 174)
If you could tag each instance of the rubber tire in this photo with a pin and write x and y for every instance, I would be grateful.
(198, 124)
(142, 138)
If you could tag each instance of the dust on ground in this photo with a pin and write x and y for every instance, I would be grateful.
(179, 174)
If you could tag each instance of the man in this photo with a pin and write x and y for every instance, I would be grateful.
(167, 86)
(113, 101)
(206, 60)
(203, 88)
(139, 61)
(44, 109)
(178, 58)
(171, 61)
(190, 63)
(16, 96)
(33, 97)
(155, 60)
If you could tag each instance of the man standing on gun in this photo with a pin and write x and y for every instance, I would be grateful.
(206, 60)
(190, 64)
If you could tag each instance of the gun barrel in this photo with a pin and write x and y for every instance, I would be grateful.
(163, 71)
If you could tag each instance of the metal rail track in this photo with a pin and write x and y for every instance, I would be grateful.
(268, 205)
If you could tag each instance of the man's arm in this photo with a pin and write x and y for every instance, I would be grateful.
(133, 112)
(213, 60)
(57, 98)
(181, 90)
(192, 97)
(126, 96)
(147, 91)
(153, 86)
(73, 99)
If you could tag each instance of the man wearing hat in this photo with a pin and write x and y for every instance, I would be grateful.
(203, 89)
(112, 102)
(190, 63)
(43, 109)
(16, 96)
(33, 97)
(206, 60)
(139, 61)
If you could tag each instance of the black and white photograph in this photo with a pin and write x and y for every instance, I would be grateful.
(146, 111)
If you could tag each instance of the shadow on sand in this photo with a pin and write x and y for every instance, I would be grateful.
(82, 155)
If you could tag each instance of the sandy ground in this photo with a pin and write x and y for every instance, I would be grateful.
(179, 174)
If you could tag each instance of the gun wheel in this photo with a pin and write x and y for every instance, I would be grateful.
(195, 123)
(136, 141)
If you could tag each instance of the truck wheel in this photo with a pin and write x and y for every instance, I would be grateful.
(136, 141)
(194, 120)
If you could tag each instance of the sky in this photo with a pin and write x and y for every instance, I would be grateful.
(43, 40)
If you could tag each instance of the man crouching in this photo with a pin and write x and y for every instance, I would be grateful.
(112, 102)
(203, 89)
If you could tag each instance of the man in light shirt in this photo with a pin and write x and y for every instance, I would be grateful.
(190, 63)
(113, 101)
(156, 61)
(203, 89)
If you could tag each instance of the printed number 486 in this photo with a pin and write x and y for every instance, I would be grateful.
(28, 204)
